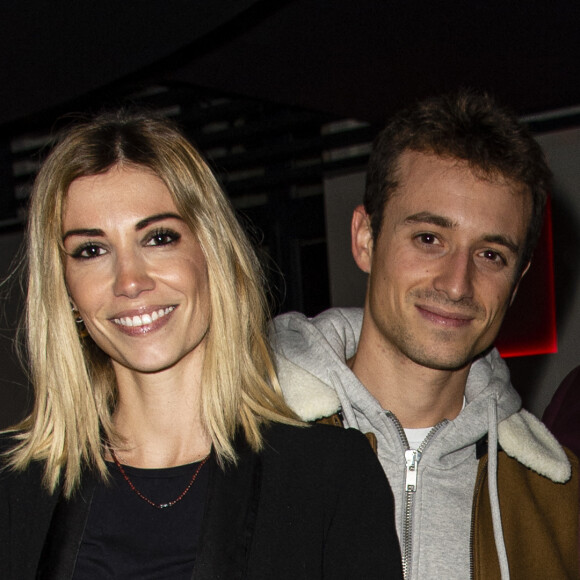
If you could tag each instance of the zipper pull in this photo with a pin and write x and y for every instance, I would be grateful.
(412, 458)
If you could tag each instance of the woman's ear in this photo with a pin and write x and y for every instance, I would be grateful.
(362, 239)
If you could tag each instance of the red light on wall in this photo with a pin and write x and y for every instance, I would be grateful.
(529, 327)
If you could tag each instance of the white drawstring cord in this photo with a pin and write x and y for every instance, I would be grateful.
(493, 492)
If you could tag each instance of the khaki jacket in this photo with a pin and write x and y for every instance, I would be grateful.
(540, 529)
(545, 510)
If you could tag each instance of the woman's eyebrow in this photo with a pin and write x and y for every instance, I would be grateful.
(86, 232)
(156, 218)
(97, 233)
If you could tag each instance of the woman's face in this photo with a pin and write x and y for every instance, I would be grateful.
(135, 271)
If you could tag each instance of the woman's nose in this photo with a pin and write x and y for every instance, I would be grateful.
(131, 276)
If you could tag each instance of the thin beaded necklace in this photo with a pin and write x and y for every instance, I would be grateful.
(159, 506)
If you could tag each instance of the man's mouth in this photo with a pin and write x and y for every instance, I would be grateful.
(444, 317)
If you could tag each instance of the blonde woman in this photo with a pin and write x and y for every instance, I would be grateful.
(159, 445)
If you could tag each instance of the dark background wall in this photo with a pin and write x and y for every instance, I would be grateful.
(284, 98)
(14, 394)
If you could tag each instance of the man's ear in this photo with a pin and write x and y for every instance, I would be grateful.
(517, 284)
(362, 239)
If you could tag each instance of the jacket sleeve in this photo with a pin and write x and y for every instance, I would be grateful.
(362, 540)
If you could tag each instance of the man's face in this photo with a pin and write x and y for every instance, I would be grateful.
(445, 265)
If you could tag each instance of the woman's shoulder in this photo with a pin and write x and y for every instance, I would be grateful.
(7, 442)
(21, 479)
(322, 434)
(312, 443)
(320, 462)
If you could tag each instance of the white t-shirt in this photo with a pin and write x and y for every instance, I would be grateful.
(415, 436)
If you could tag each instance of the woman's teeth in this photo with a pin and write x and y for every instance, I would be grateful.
(144, 318)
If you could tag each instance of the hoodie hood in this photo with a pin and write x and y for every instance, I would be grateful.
(316, 381)
(311, 359)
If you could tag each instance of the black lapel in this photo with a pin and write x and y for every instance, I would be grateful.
(30, 512)
(229, 519)
(66, 532)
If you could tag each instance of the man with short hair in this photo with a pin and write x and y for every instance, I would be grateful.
(453, 209)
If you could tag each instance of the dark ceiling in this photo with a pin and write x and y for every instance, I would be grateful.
(350, 58)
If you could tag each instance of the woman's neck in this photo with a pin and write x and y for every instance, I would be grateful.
(158, 420)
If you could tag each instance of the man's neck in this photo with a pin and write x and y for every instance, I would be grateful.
(417, 395)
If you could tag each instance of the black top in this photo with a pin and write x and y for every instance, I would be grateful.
(125, 537)
(314, 504)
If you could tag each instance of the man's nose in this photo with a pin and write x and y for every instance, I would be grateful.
(455, 276)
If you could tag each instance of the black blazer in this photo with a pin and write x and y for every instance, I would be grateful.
(314, 504)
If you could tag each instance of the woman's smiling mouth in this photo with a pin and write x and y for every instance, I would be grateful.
(139, 320)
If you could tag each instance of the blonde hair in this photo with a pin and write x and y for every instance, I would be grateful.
(74, 383)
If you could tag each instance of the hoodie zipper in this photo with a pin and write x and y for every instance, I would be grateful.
(476, 494)
(412, 459)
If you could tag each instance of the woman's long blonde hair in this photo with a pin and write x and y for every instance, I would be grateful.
(74, 383)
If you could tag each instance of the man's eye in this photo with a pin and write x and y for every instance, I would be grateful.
(163, 237)
(493, 256)
(88, 251)
(427, 239)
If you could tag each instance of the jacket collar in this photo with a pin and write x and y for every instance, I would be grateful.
(305, 394)
(67, 527)
(526, 439)
(230, 517)
(522, 436)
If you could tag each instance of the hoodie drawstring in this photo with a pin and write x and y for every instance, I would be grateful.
(492, 487)
(349, 418)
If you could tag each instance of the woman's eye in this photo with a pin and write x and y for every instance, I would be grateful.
(162, 238)
(88, 251)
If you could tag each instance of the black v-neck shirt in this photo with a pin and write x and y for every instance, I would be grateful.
(127, 538)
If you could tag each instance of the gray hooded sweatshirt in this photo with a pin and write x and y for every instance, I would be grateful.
(434, 485)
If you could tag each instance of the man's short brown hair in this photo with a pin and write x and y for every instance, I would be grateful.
(466, 126)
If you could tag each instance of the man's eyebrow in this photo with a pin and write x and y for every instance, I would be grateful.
(156, 218)
(426, 217)
(503, 241)
(443, 222)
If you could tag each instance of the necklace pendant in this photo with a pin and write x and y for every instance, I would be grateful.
(159, 506)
